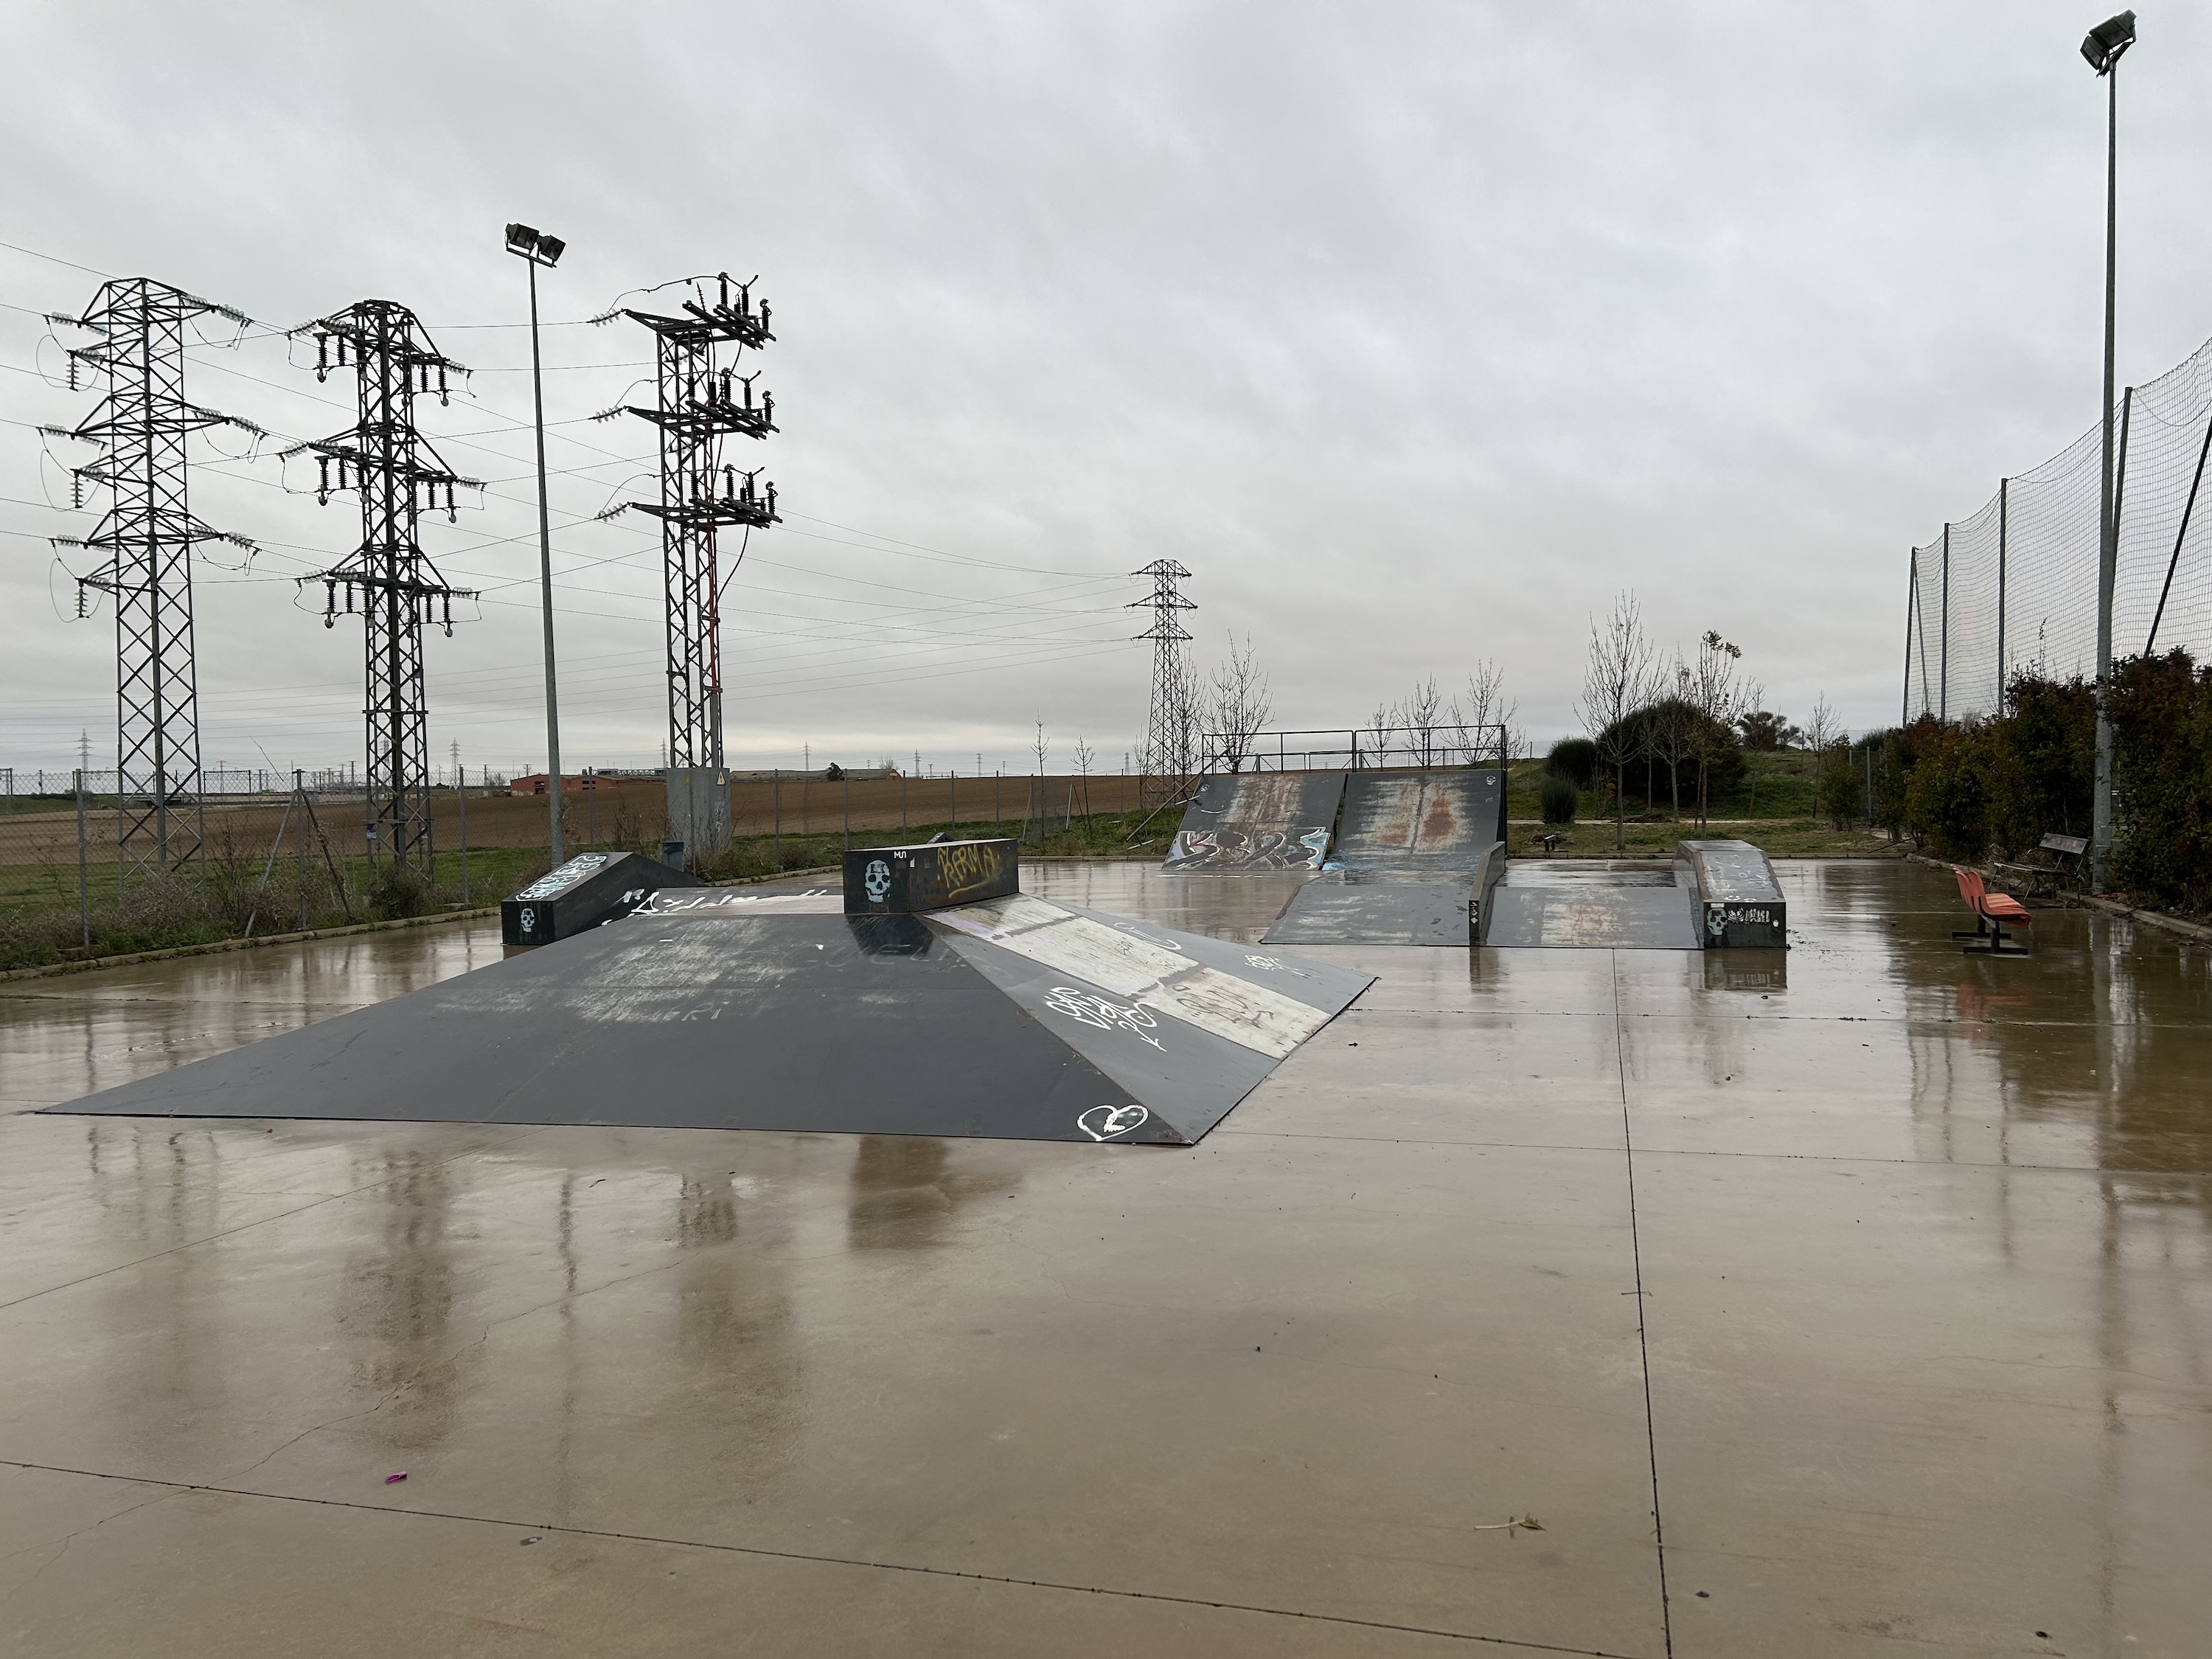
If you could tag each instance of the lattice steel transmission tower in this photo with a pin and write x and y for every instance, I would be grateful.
(147, 534)
(699, 403)
(385, 461)
(1169, 729)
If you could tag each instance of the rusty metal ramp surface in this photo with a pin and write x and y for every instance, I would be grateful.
(1444, 817)
(1012, 1018)
(1255, 823)
(1594, 903)
(1386, 907)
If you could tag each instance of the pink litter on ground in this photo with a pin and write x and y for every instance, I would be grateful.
(389, 1479)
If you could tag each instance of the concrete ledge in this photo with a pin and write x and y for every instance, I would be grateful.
(220, 946)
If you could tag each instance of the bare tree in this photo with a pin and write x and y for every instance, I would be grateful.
(1671, 732)
(1715, 693)
(1239, 703)
(1821, 726)
(1379, 725)
(1418, 714)
(1041, 746)
(1616, 684)
(1187, 712)
(1085, 757)
(1483, 704)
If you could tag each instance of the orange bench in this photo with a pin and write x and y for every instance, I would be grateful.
(1991, 911)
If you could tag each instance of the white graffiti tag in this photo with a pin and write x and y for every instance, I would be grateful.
(1103, 1013)
(878, 880)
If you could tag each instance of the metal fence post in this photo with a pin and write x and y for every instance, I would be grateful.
(2004, 513)
(300, 800)
(83, 885)
(461, 790)
(1911, 610)
(1943, 649)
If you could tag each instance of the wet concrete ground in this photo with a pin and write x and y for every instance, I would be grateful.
(1919, 1244)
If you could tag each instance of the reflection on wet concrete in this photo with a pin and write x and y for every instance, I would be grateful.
(1920, 1245)
(907, 1190)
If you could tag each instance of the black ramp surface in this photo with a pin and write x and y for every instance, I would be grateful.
(1395, 820)
(1245, 823)
(1386, 908)
(696, 1020)
(767, 1017)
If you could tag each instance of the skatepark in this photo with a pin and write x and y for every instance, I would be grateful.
(1582, 1283)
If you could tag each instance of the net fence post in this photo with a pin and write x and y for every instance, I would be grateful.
(2004, 515)
(1943, 644)
(1912, 606)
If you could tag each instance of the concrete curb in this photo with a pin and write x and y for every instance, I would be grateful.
(2196, 931)
(222, 946)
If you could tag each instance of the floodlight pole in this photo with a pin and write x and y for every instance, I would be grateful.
(2108, 548)
(545, 580)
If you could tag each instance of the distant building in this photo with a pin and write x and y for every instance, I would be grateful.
(534, 783)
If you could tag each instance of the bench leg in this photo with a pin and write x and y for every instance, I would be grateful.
(2001, 943)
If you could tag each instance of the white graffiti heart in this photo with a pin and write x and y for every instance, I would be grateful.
(1105, 1122)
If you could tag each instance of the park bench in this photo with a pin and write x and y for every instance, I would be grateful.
(1991, 911)
(2064, 862)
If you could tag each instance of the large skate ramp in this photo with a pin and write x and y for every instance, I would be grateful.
(1252, 822)
(1443, 818)
(1409, 853)
(1013, 1017)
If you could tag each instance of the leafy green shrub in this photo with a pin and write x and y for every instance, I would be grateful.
(1558, 797)
(1574, 759)
(2161, 713)
(1672, 728)
(1946, 799)
(2043, 776)
(1843, 787)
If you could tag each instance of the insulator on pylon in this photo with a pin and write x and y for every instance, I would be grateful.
(323, 488)
(763, 316)
(322, 356)
(725, 291)
(767, 407)
(771, 500)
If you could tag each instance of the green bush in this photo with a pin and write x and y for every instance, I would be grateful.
(1705, 743)
(1843, 787)
(1558, 797)
(1574, 759)
(2161, 713)
(1947, 800)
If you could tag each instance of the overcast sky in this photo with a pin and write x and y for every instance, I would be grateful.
(1415, 332)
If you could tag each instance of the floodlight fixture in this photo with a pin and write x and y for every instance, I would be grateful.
(2104, 44)
(526, 242)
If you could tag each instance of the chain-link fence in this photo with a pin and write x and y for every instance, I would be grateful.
(2013, 586)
